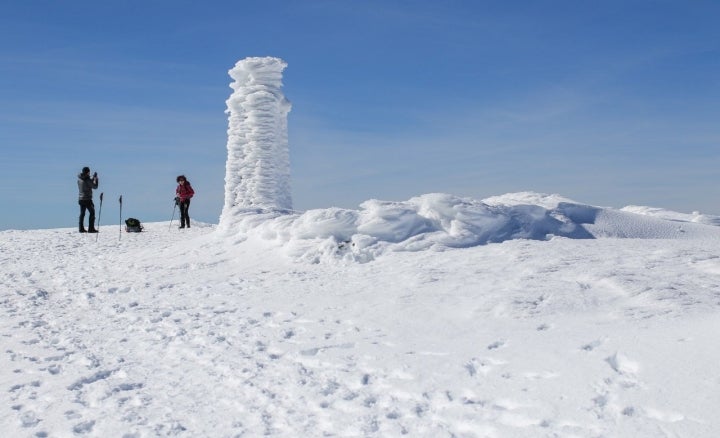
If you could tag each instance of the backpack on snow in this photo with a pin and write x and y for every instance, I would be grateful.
(133, 225)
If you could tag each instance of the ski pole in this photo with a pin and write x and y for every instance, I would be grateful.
(120, 229)
(99, 215)
(173, 216)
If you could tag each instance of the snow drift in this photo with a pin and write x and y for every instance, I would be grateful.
(441, 221)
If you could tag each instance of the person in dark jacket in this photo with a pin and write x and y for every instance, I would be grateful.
(86, 184)
(183, 193)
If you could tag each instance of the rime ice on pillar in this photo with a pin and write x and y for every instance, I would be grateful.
(257, 177)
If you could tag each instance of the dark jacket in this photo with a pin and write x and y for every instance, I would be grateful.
(86, 184)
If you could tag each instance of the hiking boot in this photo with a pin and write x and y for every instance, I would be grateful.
(82, 230)
(92, 230)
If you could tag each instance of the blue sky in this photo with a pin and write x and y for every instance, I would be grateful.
(609, 103)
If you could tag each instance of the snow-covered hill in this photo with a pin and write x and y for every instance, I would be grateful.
(519, 315)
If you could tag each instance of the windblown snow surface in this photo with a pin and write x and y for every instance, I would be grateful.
(523, 315)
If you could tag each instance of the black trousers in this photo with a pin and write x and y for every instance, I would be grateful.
(184, 215)
(90, 207)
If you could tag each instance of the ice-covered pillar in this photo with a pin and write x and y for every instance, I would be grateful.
(257, 173)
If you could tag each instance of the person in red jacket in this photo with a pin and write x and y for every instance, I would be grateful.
(183, 193)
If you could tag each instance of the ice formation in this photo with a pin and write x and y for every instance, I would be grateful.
(257, 177)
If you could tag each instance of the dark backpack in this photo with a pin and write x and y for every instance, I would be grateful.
(133, 225)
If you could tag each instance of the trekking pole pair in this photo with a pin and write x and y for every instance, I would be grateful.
(100, 215)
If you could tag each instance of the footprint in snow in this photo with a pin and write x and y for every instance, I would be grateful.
(29, 419)
(85, 427)
(495, 345)
(592, 345)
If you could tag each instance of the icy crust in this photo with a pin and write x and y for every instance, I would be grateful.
(441, 221)
(258, 165)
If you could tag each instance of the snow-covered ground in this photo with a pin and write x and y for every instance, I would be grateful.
(525, 315)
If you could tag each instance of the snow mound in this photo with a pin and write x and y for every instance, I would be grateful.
(440, 221)
(548, 201)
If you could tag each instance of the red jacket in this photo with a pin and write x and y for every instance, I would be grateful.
(184, 191)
